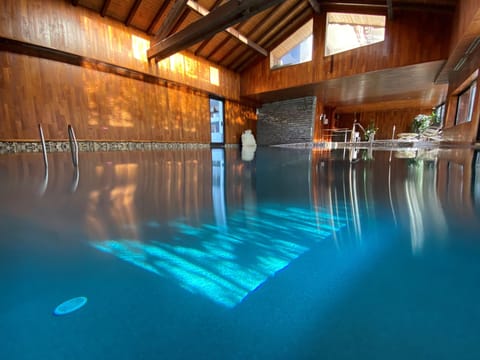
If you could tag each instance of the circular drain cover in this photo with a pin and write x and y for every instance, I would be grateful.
(70, 305)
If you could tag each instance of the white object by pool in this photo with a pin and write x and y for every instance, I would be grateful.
(70, 305)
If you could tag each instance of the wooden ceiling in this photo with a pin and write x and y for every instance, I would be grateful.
(237, 33)
(231, 33)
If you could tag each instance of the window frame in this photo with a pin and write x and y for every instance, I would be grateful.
(469, 105)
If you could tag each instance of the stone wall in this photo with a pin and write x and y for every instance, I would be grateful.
(286, 122)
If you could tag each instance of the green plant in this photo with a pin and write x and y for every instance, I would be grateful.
(422, 122)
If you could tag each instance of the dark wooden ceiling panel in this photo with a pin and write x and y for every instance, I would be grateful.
(95, 5)
(119, 9)
(213, 45)
(145, 14)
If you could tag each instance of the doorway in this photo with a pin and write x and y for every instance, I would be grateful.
(216, 122)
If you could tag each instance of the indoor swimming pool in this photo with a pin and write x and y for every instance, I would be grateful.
(198, 254)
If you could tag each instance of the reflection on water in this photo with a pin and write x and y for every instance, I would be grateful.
(220, 227)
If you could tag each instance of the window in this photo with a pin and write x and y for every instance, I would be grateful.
(440, 113)
(296, 49)
(465, 103)
(350, 31)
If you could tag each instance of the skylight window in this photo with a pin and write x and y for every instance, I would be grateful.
(350, 31)
(296, 49)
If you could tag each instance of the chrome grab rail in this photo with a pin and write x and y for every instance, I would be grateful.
(44, 147)
(44, 184)
(73, 145)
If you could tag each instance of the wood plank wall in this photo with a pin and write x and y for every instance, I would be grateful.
(238, 118)
(465, 13)
(466, 28)
(385, 120)
(101, 105)
(59, 25)
(398, 49)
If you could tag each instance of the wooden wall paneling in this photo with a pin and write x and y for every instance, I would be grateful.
(399, 49)
(59, 25)
(383, 120)
(100, 106)
(407, 42)
(466, 12)
(238, 118)
(459, 81)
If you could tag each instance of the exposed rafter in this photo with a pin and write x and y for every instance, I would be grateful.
(174, 14)
(218, 20)
(157, 17)
(390, 9)
(232, 31)
(266, 15)
(315, 5)
(132, 12)
(105, 6)
(242, 62)
(258, 32)
(205, 42)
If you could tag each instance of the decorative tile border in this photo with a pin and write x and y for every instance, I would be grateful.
(60, 146)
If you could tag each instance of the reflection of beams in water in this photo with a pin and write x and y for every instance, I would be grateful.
(225, 266)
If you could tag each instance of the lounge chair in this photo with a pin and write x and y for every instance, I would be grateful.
(432, 134)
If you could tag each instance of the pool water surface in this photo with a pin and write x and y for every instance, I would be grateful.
(198, 254)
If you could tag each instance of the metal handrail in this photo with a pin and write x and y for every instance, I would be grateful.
(73, 145)
(44, 147)
(44, 184)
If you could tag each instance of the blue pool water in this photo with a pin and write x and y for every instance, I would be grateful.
(198, 254)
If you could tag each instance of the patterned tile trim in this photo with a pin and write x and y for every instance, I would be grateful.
(59, 146)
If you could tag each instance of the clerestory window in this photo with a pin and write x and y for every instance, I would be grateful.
(296, 49)
(350, 31)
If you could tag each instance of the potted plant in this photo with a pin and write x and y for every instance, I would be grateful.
(422, 122)
(370, 131)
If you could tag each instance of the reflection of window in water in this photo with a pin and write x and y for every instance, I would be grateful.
(218, 187)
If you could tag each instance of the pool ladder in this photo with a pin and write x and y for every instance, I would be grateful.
(74, 151)
(73, 145)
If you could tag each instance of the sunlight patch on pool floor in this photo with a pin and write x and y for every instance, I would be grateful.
(226, 264)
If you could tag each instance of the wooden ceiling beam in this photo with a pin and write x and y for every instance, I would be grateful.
(169, 23)
(105, 6)
(205, 42)
(157, 17)
(315, 5)
(390, 9)
(296, 17)
(226, 15)
(270, 14)
(231, 30)
(243, 62)
(133, 12)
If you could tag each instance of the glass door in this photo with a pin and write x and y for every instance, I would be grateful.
(216, 121)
